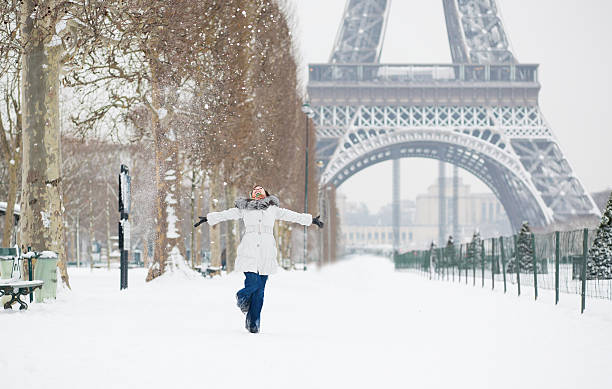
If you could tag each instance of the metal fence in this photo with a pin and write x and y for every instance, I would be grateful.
(558, 263)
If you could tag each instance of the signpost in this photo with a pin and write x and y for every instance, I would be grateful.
(124, 224)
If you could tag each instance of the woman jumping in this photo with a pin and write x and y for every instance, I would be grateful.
(256, 255)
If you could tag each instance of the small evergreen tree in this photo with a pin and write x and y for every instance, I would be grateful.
(450, 252)
(599, 264)
(474, 250)
(433, 255)
(524, 252)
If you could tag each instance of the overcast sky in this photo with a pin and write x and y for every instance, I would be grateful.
(570, 39)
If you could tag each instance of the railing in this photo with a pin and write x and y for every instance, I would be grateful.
(422, 73)
(559, 262)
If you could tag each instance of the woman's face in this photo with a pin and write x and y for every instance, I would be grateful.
(258, 193)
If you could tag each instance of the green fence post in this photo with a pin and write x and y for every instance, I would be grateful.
(493, 263)
(30, 278)
(467, 265)
(422, 258)
(503, 259)
(535, 266)
(557, 255)
(473, 269)
(417, 257)
(447, 277)
(459, 263)
(517, 265)
(482, 261)
(585, 254)
(443, 264)
(452, 264)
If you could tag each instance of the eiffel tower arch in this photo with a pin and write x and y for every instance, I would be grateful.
(480, 112)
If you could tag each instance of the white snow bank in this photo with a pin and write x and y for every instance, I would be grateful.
(357, 324)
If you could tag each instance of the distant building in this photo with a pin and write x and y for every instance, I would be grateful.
(481, 211)
(419, 220)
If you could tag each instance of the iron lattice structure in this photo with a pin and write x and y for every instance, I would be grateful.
(360, 36)
(480, 113)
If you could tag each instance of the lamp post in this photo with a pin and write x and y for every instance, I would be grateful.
(124, 224)
(321, 208)
(329, 224)
(309, 114)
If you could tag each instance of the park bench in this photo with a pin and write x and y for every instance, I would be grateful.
(208, 271)
(211, 271)
(14, 286)
(16, 289)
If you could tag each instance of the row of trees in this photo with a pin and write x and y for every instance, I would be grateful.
(200, 97)
(522, 256)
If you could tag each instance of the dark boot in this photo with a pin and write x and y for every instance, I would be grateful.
(243, 304)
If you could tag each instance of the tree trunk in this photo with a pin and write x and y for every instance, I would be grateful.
(91, 229)
(169, 245)
(284, 241)
(233, 233)
(216, 192)
(41, 223)
(198, 232)
(77, 232)
(9, 218)
(145, 252)
(109, 244)
(193, 217)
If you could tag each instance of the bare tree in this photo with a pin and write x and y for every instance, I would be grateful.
(44, 42)
(10, 109)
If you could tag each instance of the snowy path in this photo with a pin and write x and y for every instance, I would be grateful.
(357, 324)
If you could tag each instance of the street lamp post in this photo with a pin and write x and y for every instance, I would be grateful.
(321, 208)
(329, 224)
(124, 224)
(309, 114)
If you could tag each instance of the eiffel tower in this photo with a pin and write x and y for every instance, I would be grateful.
(480, 113)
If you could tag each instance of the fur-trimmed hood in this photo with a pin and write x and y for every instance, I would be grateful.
(245, 203)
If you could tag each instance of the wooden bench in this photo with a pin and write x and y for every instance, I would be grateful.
(16, 289)
(212, 271)
(208, 271)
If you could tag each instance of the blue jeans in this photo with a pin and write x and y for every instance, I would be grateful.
(250, 299)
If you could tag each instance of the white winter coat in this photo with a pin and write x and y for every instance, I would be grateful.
(257, 250)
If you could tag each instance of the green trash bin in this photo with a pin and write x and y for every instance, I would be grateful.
(6, 267)
(46, 270)
(7, 261)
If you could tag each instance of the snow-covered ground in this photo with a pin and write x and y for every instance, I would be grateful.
(356, 324)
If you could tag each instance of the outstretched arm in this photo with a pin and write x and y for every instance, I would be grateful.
(288, 215)
(229, 214)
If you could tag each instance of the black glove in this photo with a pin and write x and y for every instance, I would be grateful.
(203, 219)
(317, 221)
